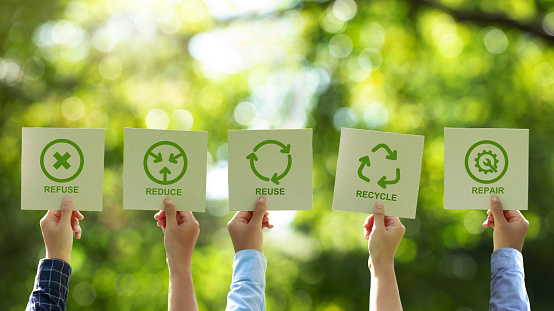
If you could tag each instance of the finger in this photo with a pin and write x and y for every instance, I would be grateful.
(76, 228)
(242, 216)
(513, 215)
(160, 215)
(78, 215)
(170, 213)
(183, 217)
(75, 224)
(369, 221)
(267, 224)
(489, 212)
(161, 223)
(488, 223)
(53, 214)
(368, 225)
(66, 210)
(259, 211)
(379, 215)
(392, 221)
(180, 217)
(496, 208)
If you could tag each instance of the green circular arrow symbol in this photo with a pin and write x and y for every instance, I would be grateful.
(285, 149)
(383, 182)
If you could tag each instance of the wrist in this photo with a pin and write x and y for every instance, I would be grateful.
(60, 256)
(239, 248)
(381, 265)
(507, 245)
(179, 266)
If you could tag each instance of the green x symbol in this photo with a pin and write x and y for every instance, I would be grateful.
(62, 160)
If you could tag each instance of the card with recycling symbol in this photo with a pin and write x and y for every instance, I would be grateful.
(378, 166)
(161, 164)
(482, 162)
(276, 164)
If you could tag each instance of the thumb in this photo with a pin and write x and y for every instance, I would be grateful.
(170, 213)
(379, 215)
(259, 211)
(497, 212)
(67, 210)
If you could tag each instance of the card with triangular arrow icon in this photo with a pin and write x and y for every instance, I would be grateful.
(377, 166)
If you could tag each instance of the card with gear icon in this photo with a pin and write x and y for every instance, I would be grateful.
(479, 163)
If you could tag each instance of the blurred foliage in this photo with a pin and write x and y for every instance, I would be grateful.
(393, 65)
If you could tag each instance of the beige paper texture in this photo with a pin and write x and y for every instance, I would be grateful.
(376, 166)
(498, 162)
(161, 164)
(258, 161)
(62, 162)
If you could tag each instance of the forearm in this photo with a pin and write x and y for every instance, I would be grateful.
(181, 290)
(384, 293)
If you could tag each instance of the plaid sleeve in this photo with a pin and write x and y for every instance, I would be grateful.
(51, 286)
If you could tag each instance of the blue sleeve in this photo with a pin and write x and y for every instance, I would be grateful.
(508, 291)
(51, 286)
(248, 287)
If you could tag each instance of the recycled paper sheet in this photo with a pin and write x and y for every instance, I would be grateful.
(161, 164)
(378, 166)
(62, 162)
(481, 162)
(276, 164)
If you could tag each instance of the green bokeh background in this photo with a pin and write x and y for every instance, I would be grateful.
(403, 66)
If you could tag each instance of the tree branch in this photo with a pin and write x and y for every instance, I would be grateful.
(485, 19)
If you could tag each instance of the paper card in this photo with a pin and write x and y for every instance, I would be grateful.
(481, 162)
(376, 166)
(161, 164)
(62, 162)
(276, 164)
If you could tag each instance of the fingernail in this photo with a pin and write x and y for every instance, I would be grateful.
(494, 199)
(379, 204)
(261, 200)
(65, 201)
(168, 201)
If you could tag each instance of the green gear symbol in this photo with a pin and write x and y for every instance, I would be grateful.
(491, 167)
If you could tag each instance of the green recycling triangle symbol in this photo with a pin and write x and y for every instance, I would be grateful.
(383, 182)
(254, 158)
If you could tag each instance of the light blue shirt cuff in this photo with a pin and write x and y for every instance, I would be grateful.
(248, 287)
(249, 265)
(508, 292)
(506, 258)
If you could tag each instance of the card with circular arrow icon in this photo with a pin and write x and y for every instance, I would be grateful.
(376, 166)
(276, 164)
